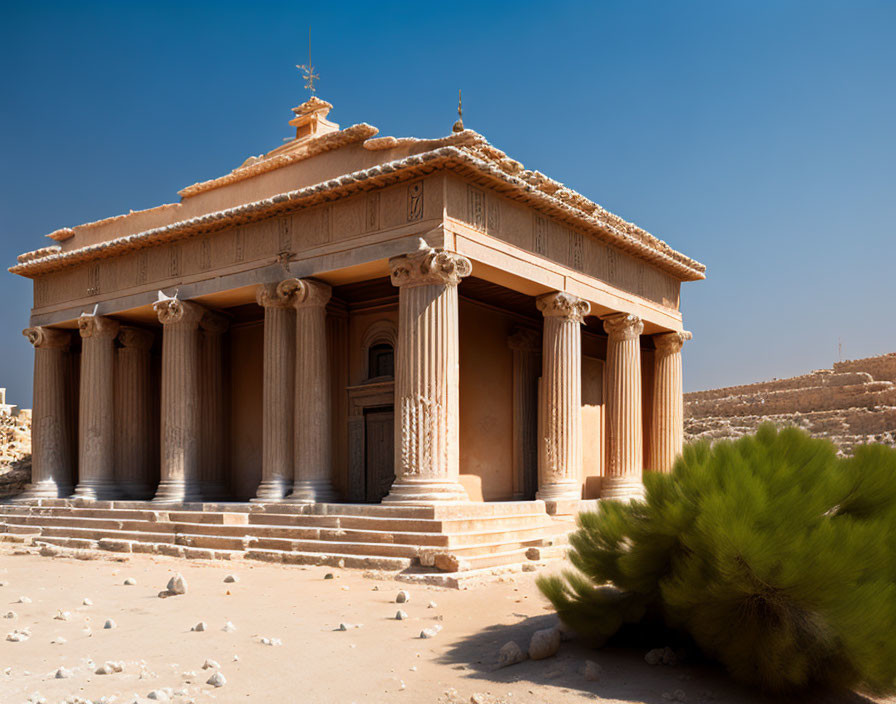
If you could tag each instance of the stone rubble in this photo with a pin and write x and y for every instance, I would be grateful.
(544, 643)
(402, 597)
(510, 654)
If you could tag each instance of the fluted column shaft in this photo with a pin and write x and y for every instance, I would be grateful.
(525, 344)
(560, 444)
(180, 400)
(427, 464)
(51, 455)
(313, 478)
(278, 392)
(133, 413)
(96, 409)
(624, 421)
(667, 413)
(212, 407)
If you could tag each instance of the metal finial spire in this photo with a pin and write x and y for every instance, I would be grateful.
(308, 69)
(459, 125)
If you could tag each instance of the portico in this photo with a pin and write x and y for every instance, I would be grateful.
(357, 319)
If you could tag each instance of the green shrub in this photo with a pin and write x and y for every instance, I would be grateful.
(774, 555)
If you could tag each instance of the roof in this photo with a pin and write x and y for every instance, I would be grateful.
(466, 153)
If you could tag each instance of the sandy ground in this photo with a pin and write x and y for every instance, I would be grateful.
(378, 659)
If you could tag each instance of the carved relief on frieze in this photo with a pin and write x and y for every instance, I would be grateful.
(41, 289)
(239, 250)
(476, 208)
(174, 260)
(493, 216)
(93, 279)
(284, 236)
(142, 267)
(372, 215)
(205, 254)
(415, 201)
(541, 235)
(576, 251)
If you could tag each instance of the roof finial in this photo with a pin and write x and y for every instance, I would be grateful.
(308, 69)
(459, 125)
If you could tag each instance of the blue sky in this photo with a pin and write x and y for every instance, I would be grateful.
(755, 136)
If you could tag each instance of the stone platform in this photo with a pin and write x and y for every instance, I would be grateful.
(442, 544)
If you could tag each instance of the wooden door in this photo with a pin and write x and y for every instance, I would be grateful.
(379, 440)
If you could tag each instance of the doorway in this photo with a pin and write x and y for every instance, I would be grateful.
(379, 452)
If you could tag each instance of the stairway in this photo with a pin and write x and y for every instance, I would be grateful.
(423, 539)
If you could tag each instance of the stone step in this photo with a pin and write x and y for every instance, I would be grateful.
(369, 562)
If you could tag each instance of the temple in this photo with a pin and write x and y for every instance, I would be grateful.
(351, 319)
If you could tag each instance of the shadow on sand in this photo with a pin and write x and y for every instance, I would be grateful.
(625, 676)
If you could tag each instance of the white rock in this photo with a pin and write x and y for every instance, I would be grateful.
(231, 578)
(63, 673)
(402, 597)
(130, 582)
(400, 615)
(510, 654)
(201, 626)
(110, 624)
(177, 584)
(592, 671)
(16, 637)
(544, 643)
(216, 680)
(87, 602)
(343, 627)
(158, 695)
(210, 665)
(62, 616)
(429, 632)
(229, 627)
(58, 640)
(24, 600)
(432, 605)
(271, 641)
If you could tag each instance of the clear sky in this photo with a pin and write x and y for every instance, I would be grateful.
(755, 136)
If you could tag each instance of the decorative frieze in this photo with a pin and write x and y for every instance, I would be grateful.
(622, 479)
(415, 201)
(427, 377)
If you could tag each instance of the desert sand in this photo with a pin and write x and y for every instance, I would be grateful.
(287, 646)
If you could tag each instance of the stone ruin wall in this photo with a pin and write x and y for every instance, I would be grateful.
(851, 404)
(15, 450)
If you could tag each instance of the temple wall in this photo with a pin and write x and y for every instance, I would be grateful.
(486, 402)
(246, 346)
(853, 403)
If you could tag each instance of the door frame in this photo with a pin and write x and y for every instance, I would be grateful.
(361, 397)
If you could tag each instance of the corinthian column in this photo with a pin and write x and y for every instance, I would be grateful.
(427, 376)
(51, 457)
(667, 413)
(624, 425)
(96, 409)
(212, 407)
(560, 444)
(133, 413)
(312, 449)
(278, 391)
(525, 344)
(180, 400)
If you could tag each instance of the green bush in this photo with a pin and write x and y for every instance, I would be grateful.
(774, 555)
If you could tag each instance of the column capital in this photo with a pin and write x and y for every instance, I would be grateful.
(671, 342)
(215, 323)
(524, 339)
(135, 338)
(310, 293)
(279, 295)
(623, 326)
(43, 338)
(97, 326)
(429, 266)
(172, 311)
(560, 304)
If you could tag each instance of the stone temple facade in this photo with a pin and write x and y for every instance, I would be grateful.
(853, 403)
(353, 319)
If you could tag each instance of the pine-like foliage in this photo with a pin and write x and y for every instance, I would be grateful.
(774, 555)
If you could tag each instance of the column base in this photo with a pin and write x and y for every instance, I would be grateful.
(177, 492)
(96, 490)
(136, 491)
(425, 491)
(47, 489)
(622, 489)
(272, 490)
(214, 491)
(313, 491)
(559, 491)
